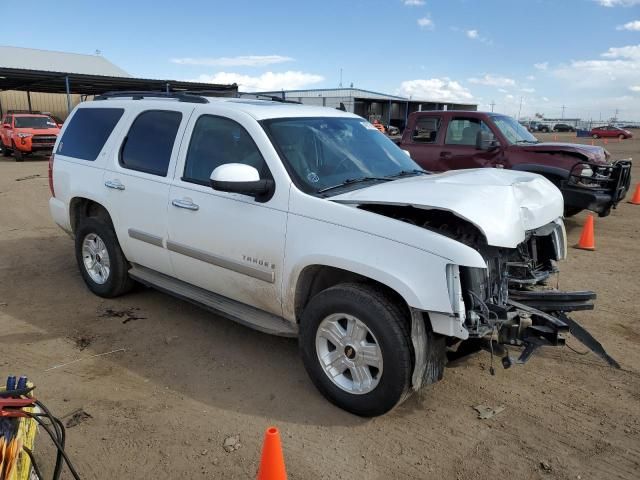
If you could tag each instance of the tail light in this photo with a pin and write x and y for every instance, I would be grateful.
(51, 159)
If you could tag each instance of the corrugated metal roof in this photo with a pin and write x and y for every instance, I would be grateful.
(337, 92)
(50, 61)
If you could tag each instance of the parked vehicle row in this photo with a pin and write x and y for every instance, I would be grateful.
(308, 222)
(450, 140)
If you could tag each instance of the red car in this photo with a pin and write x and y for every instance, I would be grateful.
(609, 131)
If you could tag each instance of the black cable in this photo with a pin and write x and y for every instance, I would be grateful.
(57, 444)
(33, 462)
(59, 428)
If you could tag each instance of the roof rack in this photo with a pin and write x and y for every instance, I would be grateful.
(139, 95)
(273, 98)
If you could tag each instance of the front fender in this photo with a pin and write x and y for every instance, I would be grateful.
(419, 276)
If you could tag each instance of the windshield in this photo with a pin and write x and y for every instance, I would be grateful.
(321, 153)
(511, 129)
(34, 122)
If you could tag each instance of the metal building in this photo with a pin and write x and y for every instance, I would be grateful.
(389, 109)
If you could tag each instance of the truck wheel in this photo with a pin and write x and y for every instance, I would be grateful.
(5, 151)
(103, 266)
(620, 137)
(355, 343)
(595, 135)
(17, 154)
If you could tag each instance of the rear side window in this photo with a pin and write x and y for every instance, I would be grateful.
(149, 143)
(88, 131)
(426, 130)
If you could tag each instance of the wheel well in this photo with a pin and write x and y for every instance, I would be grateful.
(83, 208)
(316, 278)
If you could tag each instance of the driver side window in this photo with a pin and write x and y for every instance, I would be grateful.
(217, 141)
(464, 131)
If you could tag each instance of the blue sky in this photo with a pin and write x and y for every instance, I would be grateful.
(584, 54)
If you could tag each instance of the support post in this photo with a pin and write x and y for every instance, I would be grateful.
(167, 87)
(68, 88)
(29, 100)
(389, 116)
(406, 114)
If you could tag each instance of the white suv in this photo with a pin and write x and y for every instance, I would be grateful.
(306, 221)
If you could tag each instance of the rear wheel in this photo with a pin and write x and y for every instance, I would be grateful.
(102, 264)
(621, 137)
(356, 346)
(595, 135)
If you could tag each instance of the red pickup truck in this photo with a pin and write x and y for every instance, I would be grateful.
(26, 133)
(451, 140)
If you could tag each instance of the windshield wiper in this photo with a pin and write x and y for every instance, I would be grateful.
(351, 181)
(408, 173)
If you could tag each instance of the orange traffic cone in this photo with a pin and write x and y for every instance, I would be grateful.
(587, 241)
(272, 461)
(635, 200)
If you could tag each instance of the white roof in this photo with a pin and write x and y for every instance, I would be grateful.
(64, 62)
(258, 109)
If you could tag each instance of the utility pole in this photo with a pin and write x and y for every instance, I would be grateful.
(563, 108)
(615, 116)
(340, 77)
(493, 104)
(520, 108)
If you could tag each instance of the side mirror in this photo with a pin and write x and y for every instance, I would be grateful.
(240, 178)
(486, 141)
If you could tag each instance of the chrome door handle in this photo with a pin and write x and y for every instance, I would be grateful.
(183, 203)
(115, 184)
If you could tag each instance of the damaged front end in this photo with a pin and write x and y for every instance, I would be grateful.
(510, 303)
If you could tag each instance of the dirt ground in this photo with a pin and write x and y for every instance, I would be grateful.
(182, 380)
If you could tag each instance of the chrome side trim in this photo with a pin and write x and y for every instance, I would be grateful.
(222, 262)
(146, 237)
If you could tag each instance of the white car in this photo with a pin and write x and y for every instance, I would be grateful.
(306, 221)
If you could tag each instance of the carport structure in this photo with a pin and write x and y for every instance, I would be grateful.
(48, 72)
(87, 85)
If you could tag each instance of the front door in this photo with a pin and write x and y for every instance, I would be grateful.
(226, 243)
(459, 149)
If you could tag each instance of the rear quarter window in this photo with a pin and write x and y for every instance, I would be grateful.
(88, 131)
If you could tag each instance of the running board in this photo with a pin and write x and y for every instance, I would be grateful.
(238, 312)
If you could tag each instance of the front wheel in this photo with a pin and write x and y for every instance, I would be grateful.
(355, 343)
(17, 154)
(102, 264)
(621, 137)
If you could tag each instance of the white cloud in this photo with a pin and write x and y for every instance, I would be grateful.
(240, 61)
(545, 99)
(541, 65)
(413, 3)
(267, 81)
(502, 90)
(635, 88)
(426, 23)
(438, 89)
(531, 77)
(633, 26)
(528, 90)
(618, 3)
(630, 51)
(493, 81)
(473, 34)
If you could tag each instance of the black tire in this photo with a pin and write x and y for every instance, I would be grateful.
(595, 135)
(118, 281)
(17, 154)
(390, 327)
(5, 151)
(571, 211)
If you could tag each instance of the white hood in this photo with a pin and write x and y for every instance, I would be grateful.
(503, 204)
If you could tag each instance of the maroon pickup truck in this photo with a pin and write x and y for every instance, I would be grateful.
(451, 140)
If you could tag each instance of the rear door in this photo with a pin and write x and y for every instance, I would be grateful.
(138, 178)
(459, 149)
(425, 142)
